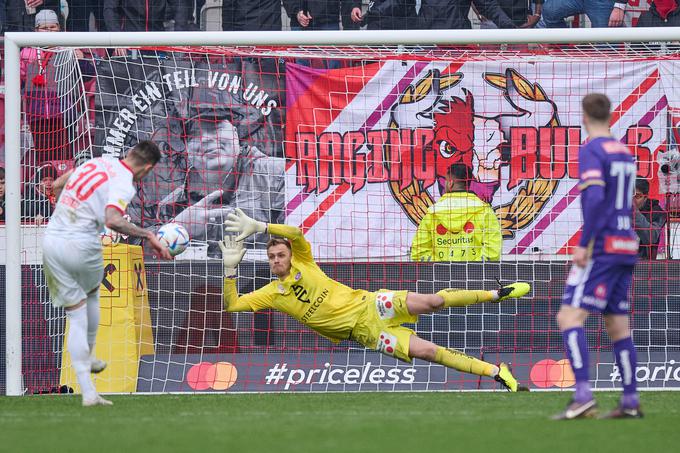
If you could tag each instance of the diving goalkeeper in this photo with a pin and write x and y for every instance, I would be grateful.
(338, 312)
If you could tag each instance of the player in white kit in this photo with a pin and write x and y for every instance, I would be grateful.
(90, 197)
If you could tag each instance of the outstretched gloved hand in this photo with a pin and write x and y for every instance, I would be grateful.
(239, 222)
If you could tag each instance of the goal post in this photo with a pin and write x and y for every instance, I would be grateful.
(347, 38)
(12, 216)
(424, 46)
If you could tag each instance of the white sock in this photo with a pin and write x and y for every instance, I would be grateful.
(79, 350)
(494, 295)
(92, 320)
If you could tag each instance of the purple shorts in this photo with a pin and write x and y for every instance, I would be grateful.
(600, 287)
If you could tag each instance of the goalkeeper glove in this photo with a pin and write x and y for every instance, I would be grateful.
(241, 223)
(232, 254)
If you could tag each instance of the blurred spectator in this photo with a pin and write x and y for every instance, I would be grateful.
(3, 17)
(20, 14)
(251, 15)
(602, 13)
(79, 15)
(523, 13)
(319, 14)
(131, 15)
(44, 106)
(649, 219)
(458, 227)
(348, 20)
(2, 195)
(453, 14)
(661, 13)
(187, 14)
(391, 15)
(39, 197)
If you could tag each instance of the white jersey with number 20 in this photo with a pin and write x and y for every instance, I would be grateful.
(95, 185)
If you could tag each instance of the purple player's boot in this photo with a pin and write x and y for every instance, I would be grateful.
(575, 409)
(629, 407)
(625, 412)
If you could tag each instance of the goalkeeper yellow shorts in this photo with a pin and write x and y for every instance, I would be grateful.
(379, 326)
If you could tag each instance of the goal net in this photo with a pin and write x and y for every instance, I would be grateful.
(351, 143)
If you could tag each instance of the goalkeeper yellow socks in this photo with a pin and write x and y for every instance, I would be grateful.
(462, 362)
(462, 297)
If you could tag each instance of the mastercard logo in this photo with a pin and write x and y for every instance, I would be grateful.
(548, 373)
(216, 376)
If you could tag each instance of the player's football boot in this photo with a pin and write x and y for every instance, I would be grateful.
(97, 400)
(507, 380)
(625, 412)
(513, 290)
(575, 409)
(97, 365)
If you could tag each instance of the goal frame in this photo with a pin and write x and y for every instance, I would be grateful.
(15, 41)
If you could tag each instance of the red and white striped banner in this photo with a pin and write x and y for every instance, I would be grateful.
(367, 146)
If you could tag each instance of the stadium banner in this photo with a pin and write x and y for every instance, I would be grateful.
(355, 156)
(219, 124)
(370, 371)
(368, 146)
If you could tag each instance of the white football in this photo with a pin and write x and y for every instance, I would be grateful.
(174, 236)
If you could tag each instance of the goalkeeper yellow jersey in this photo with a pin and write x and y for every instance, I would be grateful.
(458, 227)
(307, 294)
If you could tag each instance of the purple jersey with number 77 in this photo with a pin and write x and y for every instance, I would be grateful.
(607, 172)
(607, 180)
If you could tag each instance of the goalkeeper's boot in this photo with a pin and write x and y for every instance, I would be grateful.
(575, 409)
(507, 380)
(97, 365)
(97, 400)
(513, 290)
(625, 412)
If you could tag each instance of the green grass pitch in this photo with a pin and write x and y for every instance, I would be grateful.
(375, 422)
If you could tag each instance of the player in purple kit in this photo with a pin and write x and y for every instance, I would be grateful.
(603, 262)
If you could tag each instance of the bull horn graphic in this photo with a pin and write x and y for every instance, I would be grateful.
(530, 107)
(426, 98)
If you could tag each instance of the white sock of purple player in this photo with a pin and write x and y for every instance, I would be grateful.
(577, 350)
(626, 359)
